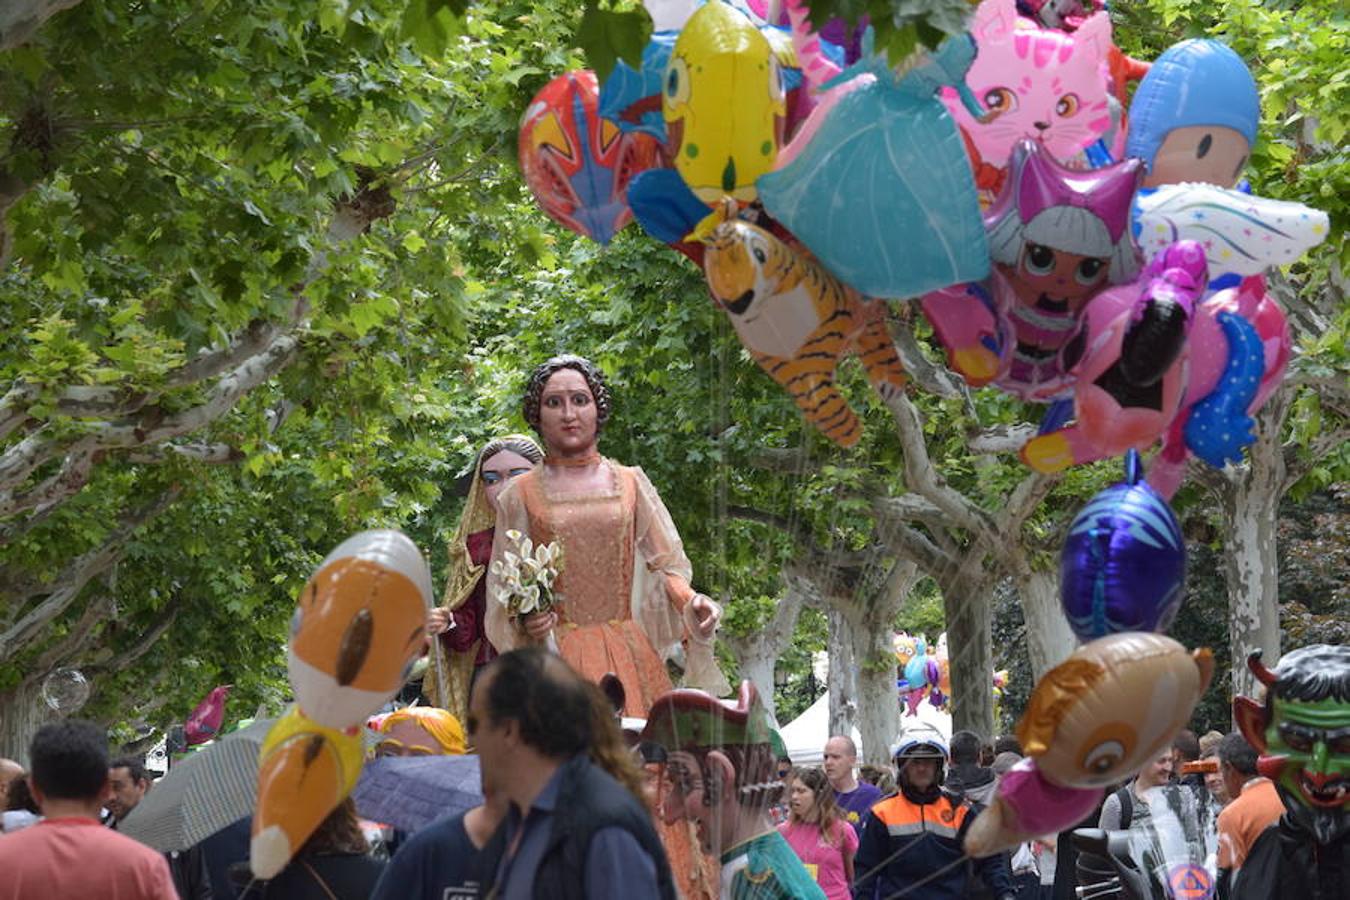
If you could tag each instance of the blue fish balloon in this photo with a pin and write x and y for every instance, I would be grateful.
(1123, 567)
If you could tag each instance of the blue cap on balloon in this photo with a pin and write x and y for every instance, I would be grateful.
(1195, 82)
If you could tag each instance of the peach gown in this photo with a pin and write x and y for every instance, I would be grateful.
(624, 582)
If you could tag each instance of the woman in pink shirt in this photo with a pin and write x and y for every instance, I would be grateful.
(819, 835)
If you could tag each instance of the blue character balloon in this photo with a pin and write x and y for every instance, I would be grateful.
(631, 98)
(1194, 116)
(1123, 566)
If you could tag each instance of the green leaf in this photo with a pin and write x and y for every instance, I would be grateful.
(606, 36)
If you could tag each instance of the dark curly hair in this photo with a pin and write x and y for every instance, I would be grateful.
(595, 380)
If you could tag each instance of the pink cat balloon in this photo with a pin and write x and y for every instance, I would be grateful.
(1035, 83)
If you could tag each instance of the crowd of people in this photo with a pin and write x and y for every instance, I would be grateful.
(573, 806)
(701, 801)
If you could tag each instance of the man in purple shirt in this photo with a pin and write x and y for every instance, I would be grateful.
(854, 798)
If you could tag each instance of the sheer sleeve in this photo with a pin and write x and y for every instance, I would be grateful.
(661, 590)
(511, 516)
(659, 544)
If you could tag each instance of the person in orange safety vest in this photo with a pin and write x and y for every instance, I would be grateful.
(912, 839)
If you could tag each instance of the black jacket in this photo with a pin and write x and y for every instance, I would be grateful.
(588, 800)
(1285, 861)
(338, 876)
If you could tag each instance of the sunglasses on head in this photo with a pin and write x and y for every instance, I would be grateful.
(496, 477)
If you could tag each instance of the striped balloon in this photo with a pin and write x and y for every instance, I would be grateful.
(1123, 566)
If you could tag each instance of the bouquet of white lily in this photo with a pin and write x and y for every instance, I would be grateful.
(527, 575)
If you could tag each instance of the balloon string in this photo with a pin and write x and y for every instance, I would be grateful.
(885, 862)
(927, 878)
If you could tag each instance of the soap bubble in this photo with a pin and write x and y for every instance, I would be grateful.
(66, 690)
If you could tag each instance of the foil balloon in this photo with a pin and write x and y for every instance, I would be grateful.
(1034, 84)
(631, 98)
(1239, 350)
(1092, 721)
(1242, 235)
(881, 194)
(1123, 566)
(358, 626)
(1127, 364)
(797, 321)
(1058, 237)
(578, 164)
(204, 722)
(724, 104)
(1194, 116)
(304, 771)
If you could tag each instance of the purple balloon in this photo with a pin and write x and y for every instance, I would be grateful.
(1123, 567)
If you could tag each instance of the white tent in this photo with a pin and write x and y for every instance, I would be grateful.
(805, 736)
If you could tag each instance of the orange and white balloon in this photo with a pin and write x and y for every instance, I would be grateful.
(358, 627)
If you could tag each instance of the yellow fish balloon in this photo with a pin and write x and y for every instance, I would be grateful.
(724, 104)
(359, 625)
(304, 772)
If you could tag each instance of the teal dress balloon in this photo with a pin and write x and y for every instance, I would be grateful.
(883, 194)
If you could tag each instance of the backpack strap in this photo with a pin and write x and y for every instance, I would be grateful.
(1126, 798)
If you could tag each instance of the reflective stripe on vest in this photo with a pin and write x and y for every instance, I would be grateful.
(904, 819)
(910, 828)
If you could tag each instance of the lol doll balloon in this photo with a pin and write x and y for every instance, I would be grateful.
(1057, 237)
(1092, 721)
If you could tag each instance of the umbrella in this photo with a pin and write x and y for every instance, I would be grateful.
(202, 794)
(409, 792)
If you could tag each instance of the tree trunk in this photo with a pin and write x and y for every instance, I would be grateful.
(1049, 638)
(20, 19)
(841, 679)
(1251, 567)
(22, 713)
(879, 704)
(967, 603)
(758, 652)
(873, 629)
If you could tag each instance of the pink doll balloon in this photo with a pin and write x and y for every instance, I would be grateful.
(1239, 349)
(1057, 237)
(1035, 83)
(1128, 363)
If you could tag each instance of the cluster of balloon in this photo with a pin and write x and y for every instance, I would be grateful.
(1185, 352)
(358, 626)
(859, 180)
(925, 672)
(1091, 722)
